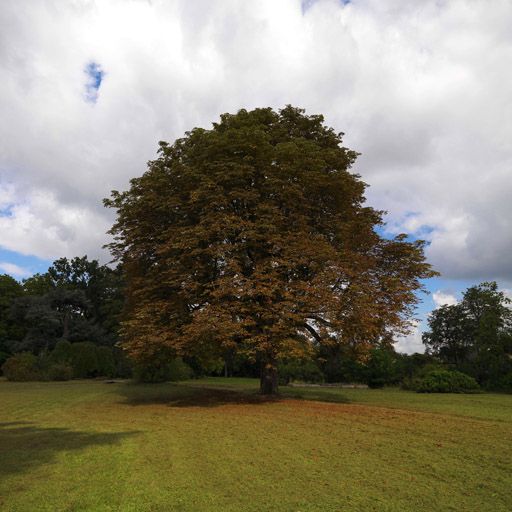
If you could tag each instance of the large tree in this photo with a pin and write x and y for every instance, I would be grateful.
(253, 237)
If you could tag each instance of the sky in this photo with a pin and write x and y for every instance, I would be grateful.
(421, 89)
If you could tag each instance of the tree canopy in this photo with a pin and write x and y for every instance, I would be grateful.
(254, 237)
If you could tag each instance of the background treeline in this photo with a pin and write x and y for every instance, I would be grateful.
(65, 324)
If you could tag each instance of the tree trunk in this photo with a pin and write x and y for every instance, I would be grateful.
(268, 379)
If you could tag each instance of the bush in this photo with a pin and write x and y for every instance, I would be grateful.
(106, 362)
(376, 382)
(21, 367)
(179, 370)
(62, 353)
(60, 372)
(163, 370)
(84, 359)
(445, 381)
(410, 383)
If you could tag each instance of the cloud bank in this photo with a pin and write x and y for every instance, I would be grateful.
(421, 89)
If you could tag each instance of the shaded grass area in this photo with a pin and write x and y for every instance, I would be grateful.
(24, 445)
(216, 445)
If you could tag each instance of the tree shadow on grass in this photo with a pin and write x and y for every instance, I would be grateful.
(181, 395)
(178, 395)
(24, 445)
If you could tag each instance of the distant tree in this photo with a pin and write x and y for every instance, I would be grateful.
(70, 304)
(40, 323)
(254, 236)
(382, 367)
(48, 318)
(410, 364)
(101, 287)
(37, 285)
(475, 336)
(450, 336)
(300, 370)
(342, 363)
(77, 299)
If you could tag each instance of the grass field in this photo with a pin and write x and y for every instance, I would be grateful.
(215, 445)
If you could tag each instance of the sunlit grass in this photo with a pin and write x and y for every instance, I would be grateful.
(215, 445)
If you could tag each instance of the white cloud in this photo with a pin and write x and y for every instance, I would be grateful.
(411, 343)
(422, 89)
(39, 224)
(442, 298)
(508, 293)
(14, 270)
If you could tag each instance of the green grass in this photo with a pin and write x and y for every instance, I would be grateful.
(215, 445)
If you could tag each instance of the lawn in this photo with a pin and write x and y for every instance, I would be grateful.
(215, 445)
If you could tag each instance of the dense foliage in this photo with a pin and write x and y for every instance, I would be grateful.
(65, 361)
(456, 341)
(253, 238)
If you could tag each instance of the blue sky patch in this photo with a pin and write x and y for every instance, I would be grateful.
(29, 265)
(6, 211)
(95, 76)
(307, 4)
